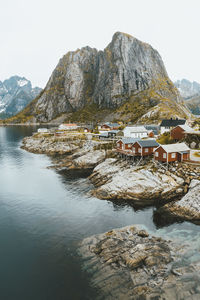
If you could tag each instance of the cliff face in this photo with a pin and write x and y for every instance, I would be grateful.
(106, 79)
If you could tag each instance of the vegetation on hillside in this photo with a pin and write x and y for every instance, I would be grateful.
(165, 139)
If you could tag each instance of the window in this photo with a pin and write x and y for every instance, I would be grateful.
(156, 154)
(133, 149)
(139, 150)
(118, 145)
(164, 155)
(146, 150)
(173, 155)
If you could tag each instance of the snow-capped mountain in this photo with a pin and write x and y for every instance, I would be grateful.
(15, 93)
(187, 88)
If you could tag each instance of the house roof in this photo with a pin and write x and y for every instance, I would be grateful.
(112, 124)
(154, 128)
(70, 124)
(172, 122)
(136, 128)
(148, 143)
(113, 131)
(186, 128)
(181, 147)
(129, 140)
(104, 134)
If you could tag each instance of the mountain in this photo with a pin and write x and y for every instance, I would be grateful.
(190, 91)
(15, 93)
(125, 81)
(187, 88)
(193, 105)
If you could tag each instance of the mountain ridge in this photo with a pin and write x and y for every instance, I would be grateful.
(109, 80)
(15, 93)
(190, 91)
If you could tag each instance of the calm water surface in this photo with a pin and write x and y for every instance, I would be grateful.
(43, 214)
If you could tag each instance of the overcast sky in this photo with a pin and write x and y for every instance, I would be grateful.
(35, 34)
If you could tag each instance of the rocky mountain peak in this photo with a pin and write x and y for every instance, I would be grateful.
(15, 93)
(105, 79)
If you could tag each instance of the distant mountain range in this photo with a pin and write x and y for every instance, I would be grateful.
(190, 91)
(15, 93)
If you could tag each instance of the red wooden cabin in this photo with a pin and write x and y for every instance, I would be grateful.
(172, 152)
(144, 147)
(178, 132)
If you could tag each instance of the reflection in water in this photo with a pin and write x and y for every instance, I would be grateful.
(44, 213)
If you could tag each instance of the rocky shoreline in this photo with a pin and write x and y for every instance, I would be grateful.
(128, 263)
(116, 179)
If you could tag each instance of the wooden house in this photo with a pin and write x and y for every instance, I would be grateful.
(144, 147)
(168, 124)
(109, 126)
(135, 132)
(112, 133)
(69, 126)
(172, 152)
(178, 132)
(126, 144)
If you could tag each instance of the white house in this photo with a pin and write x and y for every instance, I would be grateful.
(68, 126)
(135, 132)
(42, 130)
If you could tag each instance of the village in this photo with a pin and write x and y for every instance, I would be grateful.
(173, 140)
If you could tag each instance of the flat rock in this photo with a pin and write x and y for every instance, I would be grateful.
(125, 264)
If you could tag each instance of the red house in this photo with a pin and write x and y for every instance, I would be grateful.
(110, 126)
(178, 132)
(126, 144)
(172, 152)
(144, 147)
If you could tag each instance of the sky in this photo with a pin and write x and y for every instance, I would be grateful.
(35, 34)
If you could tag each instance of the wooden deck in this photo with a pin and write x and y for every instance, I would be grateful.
(127, 152)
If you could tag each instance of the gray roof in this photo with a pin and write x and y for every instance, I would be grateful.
(104, 134)
(112, 124)
(175, 147)
(148, 143)
(172, 122)
(113, 131)
(129, 140)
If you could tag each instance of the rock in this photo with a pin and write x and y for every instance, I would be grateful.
(89, 160)
(139, 184)
(124, 265)
(188, 208)
(49, 145)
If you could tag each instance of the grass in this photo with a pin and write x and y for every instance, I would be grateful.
(197, 154)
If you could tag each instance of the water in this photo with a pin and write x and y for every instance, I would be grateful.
(43, 214)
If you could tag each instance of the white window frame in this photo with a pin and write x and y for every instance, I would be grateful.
(139, 150)
(146, 150)
(156, 154)
(173, 155)
(164, 155)
(118, 145)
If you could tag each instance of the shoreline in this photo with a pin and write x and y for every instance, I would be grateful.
(129, 263)
(116, 179)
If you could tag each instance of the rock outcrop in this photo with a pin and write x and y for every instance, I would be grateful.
(142, 185)
(188, 208)
(128, 263)
(50, 146)
(128, 70)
